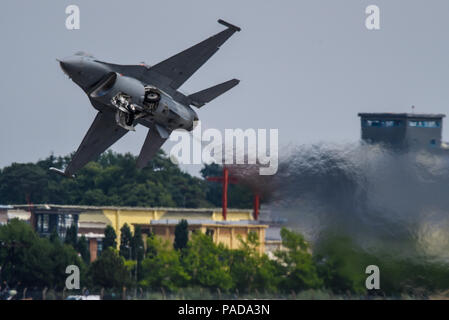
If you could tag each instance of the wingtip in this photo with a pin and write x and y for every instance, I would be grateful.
(229, 25)
(61, 172)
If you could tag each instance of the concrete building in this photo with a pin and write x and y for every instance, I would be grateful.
(4, 214)
(9, 212)
(92, 225)
(403, 130)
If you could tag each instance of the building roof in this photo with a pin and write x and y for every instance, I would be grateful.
(249, 223)
(96, 208)
(193, 215)
(390, 115)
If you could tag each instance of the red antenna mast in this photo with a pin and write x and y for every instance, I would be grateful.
(226, 179)
(30, 209)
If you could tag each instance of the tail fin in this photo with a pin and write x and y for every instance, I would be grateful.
(202, 97)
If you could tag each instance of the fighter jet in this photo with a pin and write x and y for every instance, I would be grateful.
(128, 95)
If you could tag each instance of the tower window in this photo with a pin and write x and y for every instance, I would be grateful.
(381, 123)
(424, 124)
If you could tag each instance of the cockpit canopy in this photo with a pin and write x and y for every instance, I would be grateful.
(84, 54)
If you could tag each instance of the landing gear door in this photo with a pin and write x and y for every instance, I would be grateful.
(125, 120)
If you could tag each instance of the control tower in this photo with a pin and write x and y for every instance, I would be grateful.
(403, 130)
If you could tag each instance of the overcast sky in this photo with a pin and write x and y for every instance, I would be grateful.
(306, 67)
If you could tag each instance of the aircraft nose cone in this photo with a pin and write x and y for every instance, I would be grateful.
(63, 67)
(70, 66)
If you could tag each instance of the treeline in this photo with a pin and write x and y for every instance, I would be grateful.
(30, 261)
(337, 266)
(114, 180)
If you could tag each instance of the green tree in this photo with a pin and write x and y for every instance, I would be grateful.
(71, 236)
(138, 251)
(125, 242)
(82, 247)
(110, 238)
(111, 180)
(339, 262)
(181, 235)
(207, 263)
(109, 271)
(54, 237)
(251, 270)
(137, 246)
(151, 251)
(299, 271)
(32, 260)
(20, 183)
(164, 269)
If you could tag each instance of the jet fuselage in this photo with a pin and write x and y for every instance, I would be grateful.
(132, 100)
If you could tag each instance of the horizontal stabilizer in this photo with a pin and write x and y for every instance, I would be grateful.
(202, 97)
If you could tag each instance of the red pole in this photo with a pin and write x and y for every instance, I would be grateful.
(32, 218)
(225, 191)
(256, 206)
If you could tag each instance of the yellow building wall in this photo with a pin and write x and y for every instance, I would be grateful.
(118, 217)
(228, 235)
(233, 215)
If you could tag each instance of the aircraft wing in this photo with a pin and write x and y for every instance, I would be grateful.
(156, 137)
(183, 65)
(103, 132)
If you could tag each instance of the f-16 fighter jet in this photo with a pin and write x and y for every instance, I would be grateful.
(127, 95)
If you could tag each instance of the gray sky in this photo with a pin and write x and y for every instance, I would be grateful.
(306, 67)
